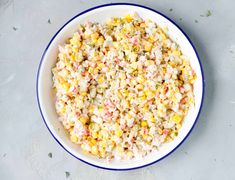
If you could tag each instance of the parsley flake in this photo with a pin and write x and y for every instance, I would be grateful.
(208, 13)
(67, 174)
(14, 28)
(50, 155)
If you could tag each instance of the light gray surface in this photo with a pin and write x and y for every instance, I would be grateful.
(208, 153)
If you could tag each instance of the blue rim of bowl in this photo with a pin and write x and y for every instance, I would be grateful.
(115, 4)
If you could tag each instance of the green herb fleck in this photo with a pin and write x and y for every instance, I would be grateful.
(170, 9)
(49, 21)
(50, 155)
(181, 19)
(14, 28)
(208, 13)
(67, 174)
(196, 21)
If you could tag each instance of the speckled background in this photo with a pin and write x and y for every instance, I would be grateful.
(25, 142)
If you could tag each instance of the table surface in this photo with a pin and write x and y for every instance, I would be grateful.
(25, 142)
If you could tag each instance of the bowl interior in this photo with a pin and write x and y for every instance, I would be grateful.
(46, 97)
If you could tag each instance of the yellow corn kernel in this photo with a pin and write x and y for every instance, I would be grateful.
(95, 35)
(191, 80)
(176, 53)
(151, 39)
(125, 93)
(186, 62)
(177, 119)
(163, 36)
(91, 70)
(134, 65)
(103, 143)
(96, 70)
(140, 79)
(101, 79)
(91, 109)
(101, 65)
(145, 108)
(150, 94)
(129, 154)
(152, 119)
(125, 47)
(159, 131)
(94, 150)
(83, 148)
(101, 109)
(144, 124)
(83, 93)
(73, 58)
(63, 110)
(128, 18)
(74, 138)
(84, 120)
(95, 135)
(168, 139)
(119, 132)
(147, 46)
(100, 41)
(100, 135)
(119, 148)
(66, 86)
(93, 141)
(116, 44)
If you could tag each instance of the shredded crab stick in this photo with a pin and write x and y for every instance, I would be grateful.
(123, 88)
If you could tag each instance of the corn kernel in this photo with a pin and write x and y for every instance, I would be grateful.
(74, 138)
(94, 150)
(83, 93)
(66, 86)
(84, 120)
(119, 133)
(159, 131)
(147, 46)
(149, 94)
(152, 119)
(140, 79)
(100, 135)
(93, 141)
(63, 110)
(177, 119)
(145, 108)
(91, 70)
(101, 65)
(95, 135)
(128, 18)
(144, 124)
(101, 79)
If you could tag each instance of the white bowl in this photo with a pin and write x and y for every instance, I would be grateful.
(46, 98)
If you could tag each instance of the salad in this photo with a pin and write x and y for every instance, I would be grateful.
(123, 88)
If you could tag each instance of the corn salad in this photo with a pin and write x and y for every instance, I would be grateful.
(122, 88)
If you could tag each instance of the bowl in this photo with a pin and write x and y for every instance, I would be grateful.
(46, 98)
